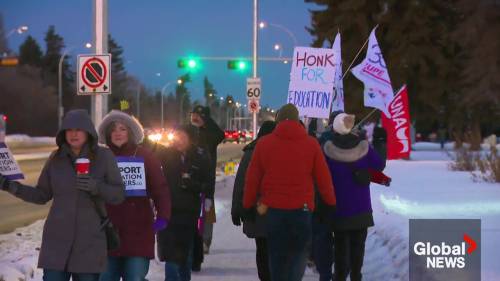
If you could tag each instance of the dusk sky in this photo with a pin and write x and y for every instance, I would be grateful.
(155, 33)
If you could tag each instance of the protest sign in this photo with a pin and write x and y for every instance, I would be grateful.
(8, 165)
(133, 175)
(311, 81)
(398, 126)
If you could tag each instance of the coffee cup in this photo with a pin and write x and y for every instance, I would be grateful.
(82, 166)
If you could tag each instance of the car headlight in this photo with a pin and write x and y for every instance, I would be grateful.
(170, 136)
(154, 137)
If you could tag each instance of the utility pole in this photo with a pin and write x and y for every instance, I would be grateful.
(99, 102)
(255, 6)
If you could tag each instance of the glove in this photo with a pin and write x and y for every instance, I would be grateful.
(86, 183)
(208, 204)
(160, 224)
(236, 220)
(4, 182)
(249, 215)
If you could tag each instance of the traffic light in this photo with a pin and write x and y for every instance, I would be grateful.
(187, 63)
(237, 64)
(9, 61)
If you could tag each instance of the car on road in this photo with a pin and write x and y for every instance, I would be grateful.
(231, 136)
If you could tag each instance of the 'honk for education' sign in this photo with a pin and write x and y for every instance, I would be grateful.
(133, 175)
(311, 81)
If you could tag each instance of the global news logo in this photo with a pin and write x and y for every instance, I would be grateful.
(443, 255)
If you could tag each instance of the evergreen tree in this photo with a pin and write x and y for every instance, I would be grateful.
(30, 52)
(446, 51)
(119, 85)
(53, 51)
(4, 48)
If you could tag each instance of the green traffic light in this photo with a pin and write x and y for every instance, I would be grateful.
(191, 63)
(242, 65)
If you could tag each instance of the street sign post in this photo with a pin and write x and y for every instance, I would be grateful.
(94, 74)
(253, 105)
(253, 88)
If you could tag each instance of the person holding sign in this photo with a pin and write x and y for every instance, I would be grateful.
(280, 181)
(188, 176)
(144, 181)
(73, 241)
(350, 159)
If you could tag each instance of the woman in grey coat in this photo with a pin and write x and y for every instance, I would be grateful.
(73, 245)
(253, 225)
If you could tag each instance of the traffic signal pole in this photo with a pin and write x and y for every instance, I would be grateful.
(99, 102)
(255, 60)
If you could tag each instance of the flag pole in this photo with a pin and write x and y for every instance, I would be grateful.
(357, 55)
(375, 109)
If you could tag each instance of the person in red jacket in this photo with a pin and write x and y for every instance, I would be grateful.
(284, 167)
(135, 217)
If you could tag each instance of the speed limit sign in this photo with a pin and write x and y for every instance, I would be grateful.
(253, 88)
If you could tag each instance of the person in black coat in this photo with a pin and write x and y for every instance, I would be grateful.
(186, 169)
(253, 225)
(207, 135)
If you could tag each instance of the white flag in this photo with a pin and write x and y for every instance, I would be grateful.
(373, 73)
(338, 85)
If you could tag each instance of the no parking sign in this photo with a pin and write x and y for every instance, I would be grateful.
(94, 74)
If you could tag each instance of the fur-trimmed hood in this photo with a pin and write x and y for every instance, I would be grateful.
(346, 154)
(131, 122)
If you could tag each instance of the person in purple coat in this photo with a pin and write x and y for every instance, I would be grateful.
(349, 156)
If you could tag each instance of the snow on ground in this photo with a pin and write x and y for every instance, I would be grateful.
(27, 141)
(422, 188)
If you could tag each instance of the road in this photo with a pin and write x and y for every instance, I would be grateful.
(16, 213)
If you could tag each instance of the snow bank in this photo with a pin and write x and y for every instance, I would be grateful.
(14, 141)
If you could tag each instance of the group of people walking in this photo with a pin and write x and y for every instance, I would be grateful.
(103, 222)
(293, 191)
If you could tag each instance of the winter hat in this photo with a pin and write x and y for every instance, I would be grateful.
(135, 128)
(333, 115)
(343, 123)
(203, 111)
(287, 112)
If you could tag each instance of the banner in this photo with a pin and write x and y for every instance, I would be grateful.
(398, 126)
(311, 81)
(133, 175)
(338, 85)
(373, 73)
(8, 165)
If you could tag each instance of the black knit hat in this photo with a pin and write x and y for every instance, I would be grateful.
(288, 112)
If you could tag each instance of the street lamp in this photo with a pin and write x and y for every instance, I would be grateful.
(59, 80)
(20, 30)
(179, 81)
(264, 24)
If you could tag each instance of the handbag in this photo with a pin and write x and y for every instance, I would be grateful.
(112, 237)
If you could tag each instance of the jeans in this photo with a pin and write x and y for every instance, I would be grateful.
(288, 239)
(56, 275)
(128, 268)
(176, 272)
(262, 259)
(322, 249)
(349, 254)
